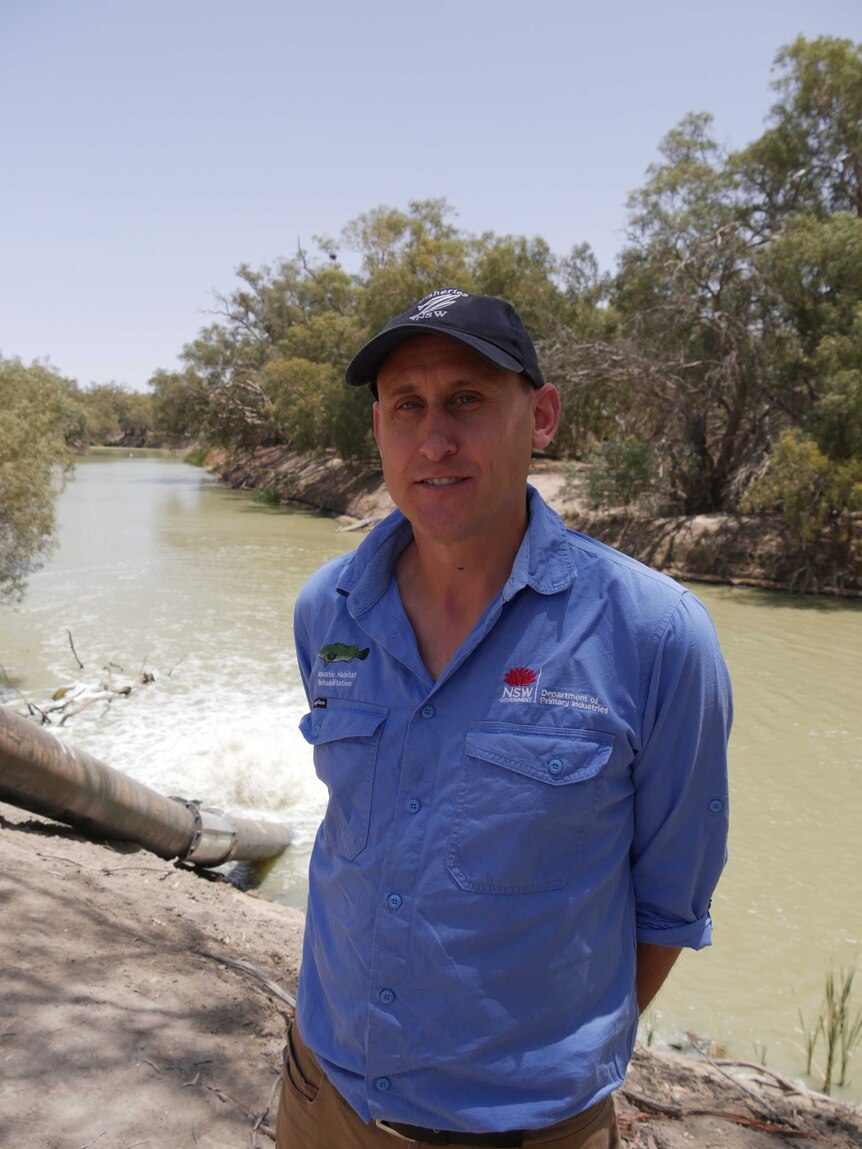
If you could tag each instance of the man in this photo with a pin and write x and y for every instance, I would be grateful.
(523, 734)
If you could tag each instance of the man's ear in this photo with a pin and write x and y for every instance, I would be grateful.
(376, 410)
(546, 416)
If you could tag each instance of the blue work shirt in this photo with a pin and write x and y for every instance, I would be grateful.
(497, 841)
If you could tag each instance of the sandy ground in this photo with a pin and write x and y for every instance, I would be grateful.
(114, 1029)
(117, 1031)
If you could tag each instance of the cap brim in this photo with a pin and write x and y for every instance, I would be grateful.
(363, 368)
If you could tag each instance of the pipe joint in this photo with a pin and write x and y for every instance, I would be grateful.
(214, 839)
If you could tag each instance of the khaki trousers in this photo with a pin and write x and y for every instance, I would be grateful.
(312, 1114)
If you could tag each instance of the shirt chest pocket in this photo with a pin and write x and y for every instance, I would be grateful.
(525, 799)
(345, 736)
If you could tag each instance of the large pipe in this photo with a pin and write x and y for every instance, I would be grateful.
(41, 774)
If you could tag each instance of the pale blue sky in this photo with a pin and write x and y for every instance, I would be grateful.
(150, 146)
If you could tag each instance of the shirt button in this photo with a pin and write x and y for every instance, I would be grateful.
(315, 730)
(427, 711)
(382, 1084)
(387, 996)
(716, 805)
(413, 805)
(555, 766)
(394, 901)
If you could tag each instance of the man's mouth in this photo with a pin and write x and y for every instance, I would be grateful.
(447, 482)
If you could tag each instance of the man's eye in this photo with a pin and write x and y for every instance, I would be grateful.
(466, 400)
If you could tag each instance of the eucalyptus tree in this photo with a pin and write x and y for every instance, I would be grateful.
(38, 412)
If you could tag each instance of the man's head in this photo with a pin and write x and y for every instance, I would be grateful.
(457, 417)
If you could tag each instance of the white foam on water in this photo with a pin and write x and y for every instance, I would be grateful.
(229, 749)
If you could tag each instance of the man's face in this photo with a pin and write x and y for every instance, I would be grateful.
(455, 435)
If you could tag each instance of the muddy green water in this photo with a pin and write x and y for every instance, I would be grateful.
(159, 566)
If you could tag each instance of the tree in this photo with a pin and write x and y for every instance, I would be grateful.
(180, 404)
(815, 270)
(113, 411)
(810, 159)
(689, 365)
(525, 272)
(405, 255)
(37, 411)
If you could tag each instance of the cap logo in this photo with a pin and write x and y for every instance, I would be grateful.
(435, 305)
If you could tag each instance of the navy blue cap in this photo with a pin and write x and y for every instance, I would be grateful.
(489, 326)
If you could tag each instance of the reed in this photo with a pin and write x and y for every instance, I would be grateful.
(850, 1033)
(810, 1035)
(839, 1026)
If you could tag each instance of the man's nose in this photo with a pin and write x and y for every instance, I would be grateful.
(438, 440)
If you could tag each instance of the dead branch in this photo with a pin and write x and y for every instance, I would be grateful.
(796, 1088)
(260, 1120)
(103, 696)
(72, 644)
(675, 1112)
(756, 1097)
(71, 861)
(95, 1139)
(642, 1101)
(228, 1100)
(247, 967)
(147, 1061)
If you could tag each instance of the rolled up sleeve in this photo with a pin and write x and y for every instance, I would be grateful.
(680, 776)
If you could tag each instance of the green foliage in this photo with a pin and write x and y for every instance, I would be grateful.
(405, 255)
(525, 272)
(810, 158)
(268, 496)
(622, 472)
(196, 457)
(112, 412)
(811, 491)
(38, 412)
(816, 496)
(180, 405)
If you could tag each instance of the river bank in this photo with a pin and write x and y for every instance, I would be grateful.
(122, 1027)
(740, 550)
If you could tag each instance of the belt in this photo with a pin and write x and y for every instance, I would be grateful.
(513, 1138)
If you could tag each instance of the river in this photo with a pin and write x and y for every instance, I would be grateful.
(161, 568)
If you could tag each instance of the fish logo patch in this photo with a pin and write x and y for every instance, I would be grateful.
(340, 652)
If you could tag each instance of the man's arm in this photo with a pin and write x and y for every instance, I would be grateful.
(654, 964)
(680, 779)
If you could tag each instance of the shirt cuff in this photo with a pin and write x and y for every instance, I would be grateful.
(691, 935)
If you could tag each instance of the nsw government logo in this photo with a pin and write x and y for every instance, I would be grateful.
(520, 684)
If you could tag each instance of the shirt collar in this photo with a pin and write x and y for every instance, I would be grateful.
(544, 561)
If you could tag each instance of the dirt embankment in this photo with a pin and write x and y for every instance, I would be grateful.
(121, 1027)
(746, 550)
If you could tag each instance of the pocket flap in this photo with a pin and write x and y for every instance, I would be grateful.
(558, 757)
(339, 719)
